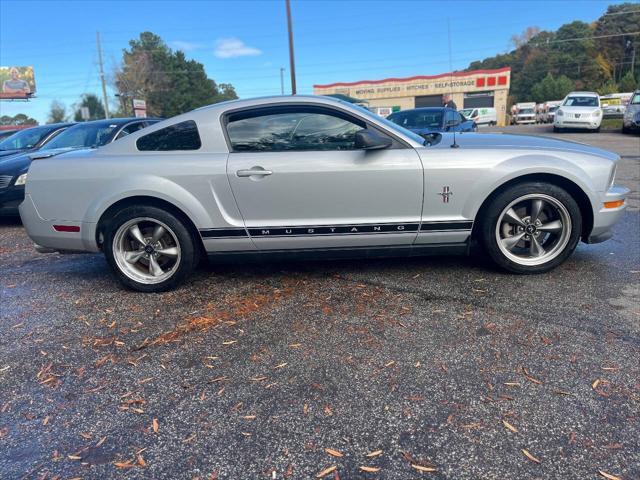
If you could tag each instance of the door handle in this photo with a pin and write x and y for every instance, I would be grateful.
(253, 172)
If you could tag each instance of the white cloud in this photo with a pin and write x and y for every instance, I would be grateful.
(185, 46)
(234, 47)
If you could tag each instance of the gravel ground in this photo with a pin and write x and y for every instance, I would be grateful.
(421, 368)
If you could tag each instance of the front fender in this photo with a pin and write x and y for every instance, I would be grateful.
(523, 165)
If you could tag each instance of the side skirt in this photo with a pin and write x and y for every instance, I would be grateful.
(341, 253)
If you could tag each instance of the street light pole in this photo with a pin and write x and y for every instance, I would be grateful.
(292, 63)
(281, 81)
(104, 86)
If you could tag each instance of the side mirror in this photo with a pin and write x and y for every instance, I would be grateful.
(370, 140)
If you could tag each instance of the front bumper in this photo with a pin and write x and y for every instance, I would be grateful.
(589, 123)
(42, 233)
(606, 218)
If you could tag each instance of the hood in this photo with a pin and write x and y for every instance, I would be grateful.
(15, 163)
(525, 142)
(581, 109)
(6, 153)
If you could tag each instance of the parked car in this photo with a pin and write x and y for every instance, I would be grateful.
(7, 133)
(31, 139)
(427, 121)
(550, 114)
(481, 115)
(314, 176)
(13, 170)
(631, 119)
(525, 113)
(579, 110)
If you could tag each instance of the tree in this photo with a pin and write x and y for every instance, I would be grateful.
(57, 112)
(169, 82)
(628, 83)
(93, 103)
(523, 39)
(18, 119)
(550, 88)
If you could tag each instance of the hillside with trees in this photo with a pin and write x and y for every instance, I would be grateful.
(165, 79)
(603, 56)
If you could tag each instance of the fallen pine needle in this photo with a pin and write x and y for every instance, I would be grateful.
(608, 475)
(509, 426)
(370, 469)
(374, 454)
(326, 471)
(333, 453)
(155, 425)
(420, 468)
(529, 456)
(595, 384)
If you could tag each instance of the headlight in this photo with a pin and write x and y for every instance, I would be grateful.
(597, 113)
(559, 113)
(21, 180)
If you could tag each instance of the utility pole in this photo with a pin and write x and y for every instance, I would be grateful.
(292, 63)
(281, 81)
(104, 85)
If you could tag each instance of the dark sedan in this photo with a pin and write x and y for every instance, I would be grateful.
(430, 120)
(31, 139)
(13, 170)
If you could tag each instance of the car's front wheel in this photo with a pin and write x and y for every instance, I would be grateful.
(149, 249)
(531, 227)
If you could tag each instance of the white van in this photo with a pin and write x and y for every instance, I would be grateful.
(481, 115)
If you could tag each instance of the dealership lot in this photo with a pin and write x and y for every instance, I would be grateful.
(421, 368)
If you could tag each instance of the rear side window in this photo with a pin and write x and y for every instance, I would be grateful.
(181, 136)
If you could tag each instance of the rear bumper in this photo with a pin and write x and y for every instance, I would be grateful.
(606, 218)
(42, 233)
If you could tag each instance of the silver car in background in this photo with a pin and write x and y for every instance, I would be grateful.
(315, 176)
(631, 118)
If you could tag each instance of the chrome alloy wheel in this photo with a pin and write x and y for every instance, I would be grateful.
(146, 250)
(533, 229)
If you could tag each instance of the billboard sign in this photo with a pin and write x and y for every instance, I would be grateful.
(17, 82)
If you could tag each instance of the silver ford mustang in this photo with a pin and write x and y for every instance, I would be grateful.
(312, 175)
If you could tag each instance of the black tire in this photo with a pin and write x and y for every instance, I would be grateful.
(625, 129)
(490, 218)
(556, 129)
(189, 252)
(597, 130)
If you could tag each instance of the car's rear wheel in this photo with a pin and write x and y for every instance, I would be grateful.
(531, 227)
(149, 249)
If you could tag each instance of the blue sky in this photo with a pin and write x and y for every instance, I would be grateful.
(245, 43)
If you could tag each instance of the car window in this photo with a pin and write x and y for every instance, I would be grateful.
(459, 117)
(635, 100)
(581, 101)
(83, 135)
(129, 129)
(180, 136)
(292, 130)
(27, 138)
(418, 119)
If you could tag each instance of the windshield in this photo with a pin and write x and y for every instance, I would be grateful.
(466, 112)
(24, 139)
(418, 119)
(525, 111)
(389, 124)
(636, 99)
(88, 135)
(581, 102)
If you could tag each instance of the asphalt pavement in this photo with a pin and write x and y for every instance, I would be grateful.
(392, 369)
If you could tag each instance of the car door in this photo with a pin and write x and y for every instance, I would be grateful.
(300, 182)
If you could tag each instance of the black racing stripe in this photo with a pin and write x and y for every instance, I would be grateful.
(439, 226)
(223, 232)
(329, 230)
(355, 229)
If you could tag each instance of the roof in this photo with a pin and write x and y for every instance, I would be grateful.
(347, 98)
(417, 77)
